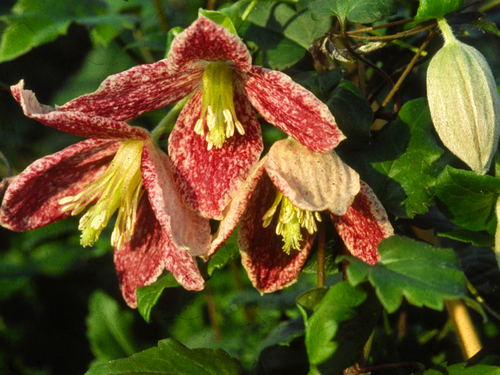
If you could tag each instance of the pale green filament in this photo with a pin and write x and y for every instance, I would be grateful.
(291, 220)
(119, 188)
(218, 105)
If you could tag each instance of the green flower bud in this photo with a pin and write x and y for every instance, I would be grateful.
(464, 101)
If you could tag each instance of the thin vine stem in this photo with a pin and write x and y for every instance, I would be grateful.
(249, 10)
(164, 25)
(321, 255)
(168, 119)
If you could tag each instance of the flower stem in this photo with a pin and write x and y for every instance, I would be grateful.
(446, 31)
(248, 10)
(321, 255)
(168, 119)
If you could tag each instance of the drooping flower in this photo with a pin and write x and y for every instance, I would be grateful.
(118, 169)
(217, 138)
(278, 209)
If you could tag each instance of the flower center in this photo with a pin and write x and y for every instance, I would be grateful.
(119, 188)
(218, 105)
(291, 220)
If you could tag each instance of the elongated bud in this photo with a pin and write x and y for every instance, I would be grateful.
(464, 101)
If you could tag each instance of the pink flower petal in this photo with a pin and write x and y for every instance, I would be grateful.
(32, 199)
(143, 88)
(236, 208)
(142, 260)
(209, 179)
(205, 40)
(310, 180)
(187, 230)
(268, 266)
(292, 108)
(77, 123)
(364, 225)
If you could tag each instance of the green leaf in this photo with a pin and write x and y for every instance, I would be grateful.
(464, 235)
(172, 33)
(309, 301)
(353, 114)
(172, 358)
(284, 333)
(220, 19)
(363, 11)
(425, 275)
(467, 199)
(461, 369)
(109, 330)
(148, 296)
(227, 252)
(429, 9)
(339, 328)
(401, 151)
(485, 25)
(280, 18)
(320, 84)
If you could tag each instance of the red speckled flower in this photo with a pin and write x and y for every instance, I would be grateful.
(110, 172)
(217, 138)
(278, 209)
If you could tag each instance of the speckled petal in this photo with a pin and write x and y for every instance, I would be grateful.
(141, 89)
(77, 123)
(187, 230)
(236, 208)
(292, 108)
(269, 268)
(31, 201)
(142, 260)
(364, 225)
(209, 178)
(310, 180)
(205, 40)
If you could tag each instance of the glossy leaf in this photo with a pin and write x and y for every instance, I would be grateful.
(172, 358)
(464, 235)
(467, 199)
(400, 151)
(425, 275)
(429, 9)
(364, 11)
(148, 296)
(353, 114)
(339, 328)
(220, 19)
(109, 330)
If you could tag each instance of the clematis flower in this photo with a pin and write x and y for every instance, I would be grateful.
(118, 169)
(217, 138)
(278, 210)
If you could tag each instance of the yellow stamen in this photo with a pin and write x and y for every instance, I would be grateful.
(119, 188)
(290, 221)
(218, 106)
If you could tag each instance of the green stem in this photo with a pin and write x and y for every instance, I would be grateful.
(446, 31)
(248, 10)
(168, 119)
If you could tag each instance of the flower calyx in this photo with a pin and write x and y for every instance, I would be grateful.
(218, 105)
(119, 188)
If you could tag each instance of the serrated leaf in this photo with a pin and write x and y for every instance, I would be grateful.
(461, 369)
(429, 9)
(109, 330)
(148, 296)
(172, 358)
(400, 151)
(353, 114)
(425, 275)
(467, 199)
(363, 11)
(338, 330)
